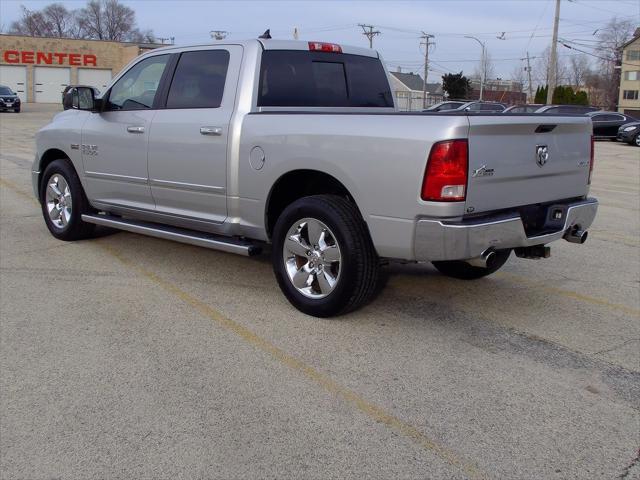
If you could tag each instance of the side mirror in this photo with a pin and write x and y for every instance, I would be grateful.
(81, 98)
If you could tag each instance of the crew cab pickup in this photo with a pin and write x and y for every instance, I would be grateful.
(237, 145)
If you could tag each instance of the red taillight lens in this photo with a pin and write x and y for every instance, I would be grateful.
(591, 159)
(446, 177)
(325, 47)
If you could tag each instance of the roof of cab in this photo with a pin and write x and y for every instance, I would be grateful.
(270, 44)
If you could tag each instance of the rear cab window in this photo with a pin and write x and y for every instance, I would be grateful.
(297, 78)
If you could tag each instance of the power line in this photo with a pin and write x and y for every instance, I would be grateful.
(576, 2)
(608, 59)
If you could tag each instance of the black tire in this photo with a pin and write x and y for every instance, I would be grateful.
(16, 110)
(464, 271)
(74, 228)
(359, 264)
(636, 140)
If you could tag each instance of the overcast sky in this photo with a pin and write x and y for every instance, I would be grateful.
(527, 23)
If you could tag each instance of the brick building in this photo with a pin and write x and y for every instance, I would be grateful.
(38, 68)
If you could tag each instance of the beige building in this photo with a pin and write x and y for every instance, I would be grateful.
(38, 69)
(629, 100)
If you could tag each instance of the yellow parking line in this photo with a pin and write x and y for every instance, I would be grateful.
(371, 410)
(571, 294)
(18, 190)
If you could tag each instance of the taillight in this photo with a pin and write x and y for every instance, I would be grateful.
(325, 47)
(445, 179)
(591, 159)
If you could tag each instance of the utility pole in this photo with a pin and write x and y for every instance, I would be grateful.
(369, 32)
(218, 34)
(482, 63)
(553, 63)
(427, 43)
(528, 69)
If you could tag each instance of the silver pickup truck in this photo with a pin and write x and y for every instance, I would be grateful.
(238, 145)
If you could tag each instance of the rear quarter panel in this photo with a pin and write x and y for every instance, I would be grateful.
(380, 159)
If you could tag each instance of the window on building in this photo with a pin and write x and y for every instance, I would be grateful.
(633, 54)
(136, 89)
(199, 79)
(630, 94)
(633, 75)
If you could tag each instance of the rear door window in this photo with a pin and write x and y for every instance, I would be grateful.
(199, 79)
(296, 78)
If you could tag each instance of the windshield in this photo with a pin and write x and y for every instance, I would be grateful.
(5, 91)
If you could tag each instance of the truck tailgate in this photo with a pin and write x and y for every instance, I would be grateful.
(508, 166)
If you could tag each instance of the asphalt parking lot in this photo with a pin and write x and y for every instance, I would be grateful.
(132, 357)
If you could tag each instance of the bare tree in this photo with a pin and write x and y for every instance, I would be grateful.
(542, 65)
(485, 65)
(610, 41)
(519, 75)
(99, 19)
(58, 18)
(579, 68)
(91, 20)
(119, 20)
(31, 23)
(52, 21)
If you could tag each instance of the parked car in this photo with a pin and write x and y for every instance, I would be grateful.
(9, 100)
(566, 109)
(443, 106)
(526, 108)
(606, 124)
(481, 106)
(299, 144)
(630, 133)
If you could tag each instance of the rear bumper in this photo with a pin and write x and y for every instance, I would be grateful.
(443, 240)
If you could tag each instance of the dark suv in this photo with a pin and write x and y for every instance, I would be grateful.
(9, 100)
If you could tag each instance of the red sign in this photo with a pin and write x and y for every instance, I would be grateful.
(42, 58)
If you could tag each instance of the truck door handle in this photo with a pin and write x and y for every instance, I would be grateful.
(213, 131)
(135, 129)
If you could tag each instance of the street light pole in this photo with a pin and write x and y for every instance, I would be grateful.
(482, 63)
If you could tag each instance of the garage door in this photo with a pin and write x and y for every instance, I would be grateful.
(94, 77)
(15, 78)
(50, 83)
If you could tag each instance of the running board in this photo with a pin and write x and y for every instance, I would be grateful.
(224, 244)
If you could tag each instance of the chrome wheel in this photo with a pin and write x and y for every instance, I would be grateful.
(58, 201)
(312, 258)
(638, 140)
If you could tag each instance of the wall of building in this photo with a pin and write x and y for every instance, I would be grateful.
(61, 53)
(629, 99)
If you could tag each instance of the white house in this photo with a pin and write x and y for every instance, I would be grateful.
(408, 90)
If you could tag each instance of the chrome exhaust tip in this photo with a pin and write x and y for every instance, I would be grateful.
(576, 236)
(485, 260)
